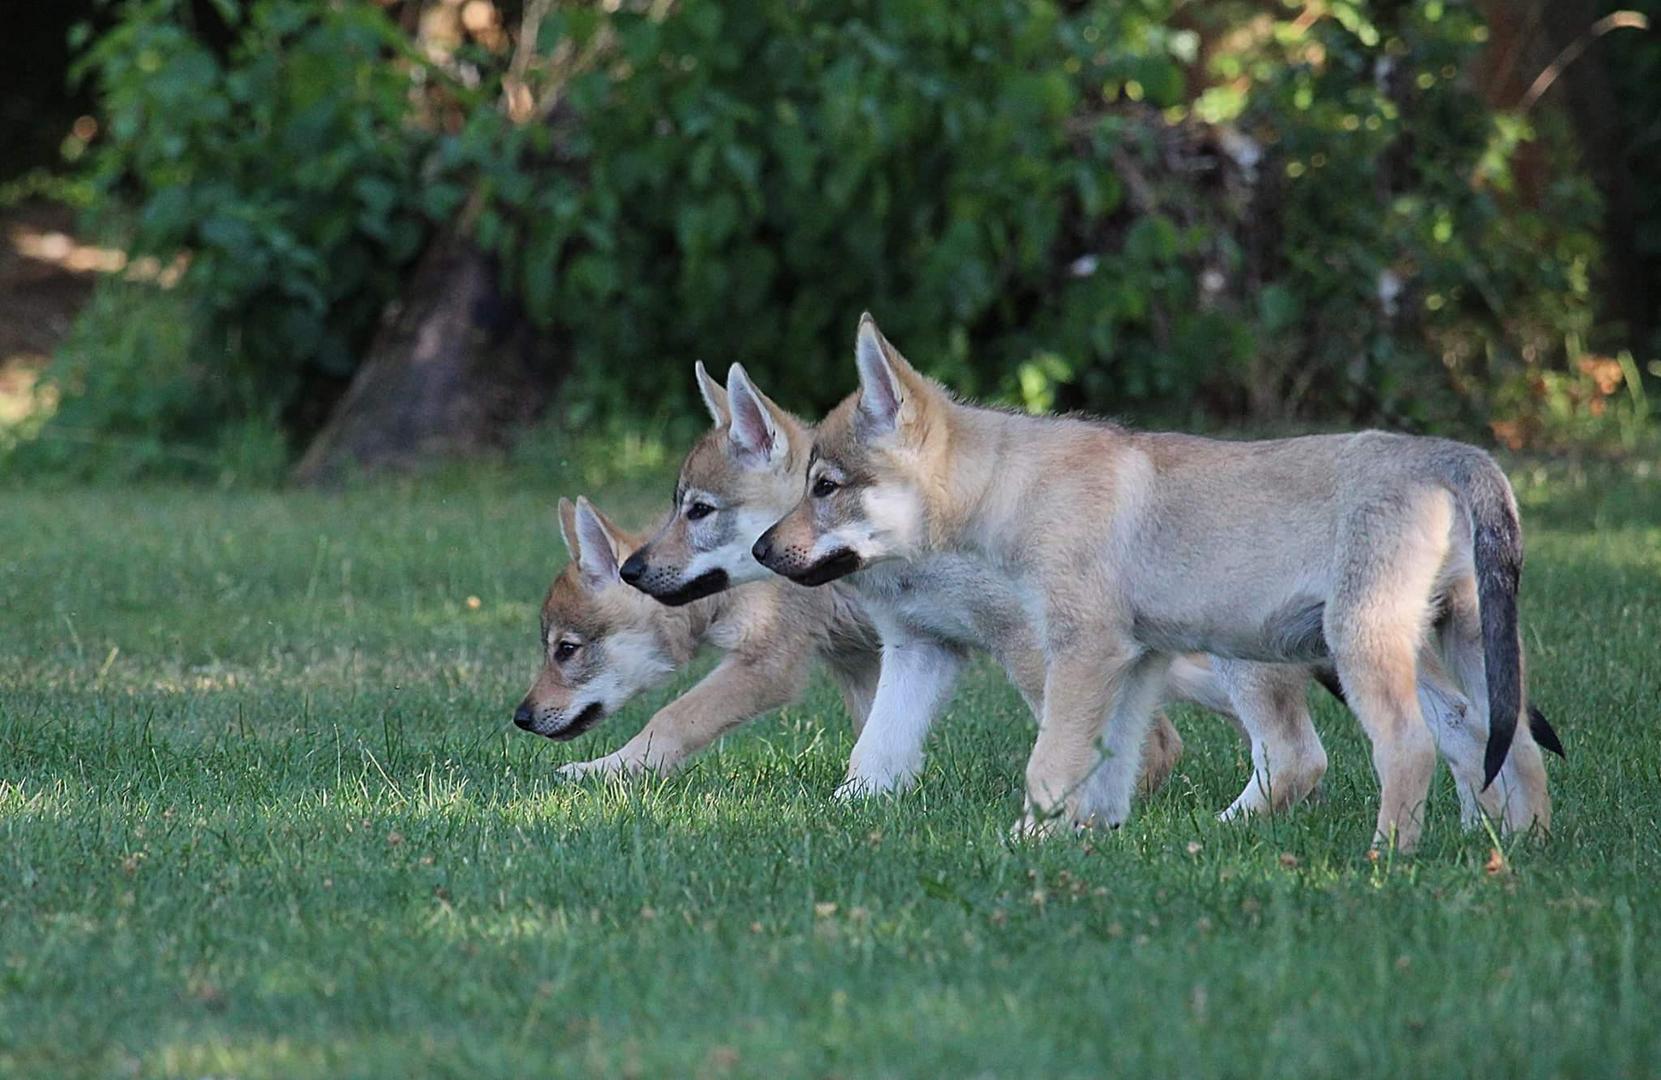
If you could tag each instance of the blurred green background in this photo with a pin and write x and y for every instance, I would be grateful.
(251, 240)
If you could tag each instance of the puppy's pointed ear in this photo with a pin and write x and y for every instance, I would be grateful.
(714, 395)
(600, 550)
(568, 527)
(756, 430)
(886, 381)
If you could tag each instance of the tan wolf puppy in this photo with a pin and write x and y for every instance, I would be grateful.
(931, 614)
(750, 468)
(1128, 549)
(726, 497)
(604, 642)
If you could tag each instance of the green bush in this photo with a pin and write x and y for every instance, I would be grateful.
(1125, 207)
(760, 172)
(131, 396)
(1058, 205)
(288, 169)
(1394, 167)
(1633, 65)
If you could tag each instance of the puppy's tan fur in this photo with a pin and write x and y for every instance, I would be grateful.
(771, 627)
(626, 642)
(933, 612)
(1128, 549)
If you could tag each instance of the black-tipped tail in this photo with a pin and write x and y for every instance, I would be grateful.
(1544, 733)
(1498, 548)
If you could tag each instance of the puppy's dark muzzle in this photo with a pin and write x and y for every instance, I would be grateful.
(705, 584)
(664, 586)
(838, 564)
(524, 718)
(591, 715)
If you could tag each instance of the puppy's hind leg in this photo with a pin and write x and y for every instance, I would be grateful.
(1288, 760)
(1375, 623)
(1518, 798)
(1459, 737)
(1381, 688)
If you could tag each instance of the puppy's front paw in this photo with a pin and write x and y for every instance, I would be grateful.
(851, 790)
(1032, 827)
(605, 766)
(1074, 819)
(576, 770)
(1248, 804)
(863, 784)
(855, 788)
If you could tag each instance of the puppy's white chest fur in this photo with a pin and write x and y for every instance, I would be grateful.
(950, 598)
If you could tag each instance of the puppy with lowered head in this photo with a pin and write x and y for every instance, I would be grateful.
(604, 642)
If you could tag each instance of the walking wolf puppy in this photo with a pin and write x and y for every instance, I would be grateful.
(750, 468)
(1127, 549)
(931, 613)
(701, 560)
(604, 642)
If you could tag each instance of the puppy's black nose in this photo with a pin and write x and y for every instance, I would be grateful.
(633, 569)
(763, 549)
(522, 716)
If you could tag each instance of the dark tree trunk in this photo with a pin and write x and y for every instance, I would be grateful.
(1526, 37)
(1590, 99)
(455, 368)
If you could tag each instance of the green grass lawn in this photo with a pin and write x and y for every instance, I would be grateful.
(263, 814)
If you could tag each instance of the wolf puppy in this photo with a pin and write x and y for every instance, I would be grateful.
(1128, 549)
(935, 611)
(604, 642)
(932, 611)
(747, 471)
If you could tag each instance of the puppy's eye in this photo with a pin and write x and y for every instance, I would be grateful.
(823, 486)
(698, 511)
(565, 650)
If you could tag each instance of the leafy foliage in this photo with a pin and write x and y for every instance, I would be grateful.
(1633, 64)
(132, 396)
(1421, 286)
(1087, 215)
(286, 168)
(1192, 215)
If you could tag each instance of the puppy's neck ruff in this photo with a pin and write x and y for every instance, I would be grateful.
(961, 464)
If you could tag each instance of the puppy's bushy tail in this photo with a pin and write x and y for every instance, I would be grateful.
(1497, 544)
(1543, 732)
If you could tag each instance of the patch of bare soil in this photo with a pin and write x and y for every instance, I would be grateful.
(46, 275)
